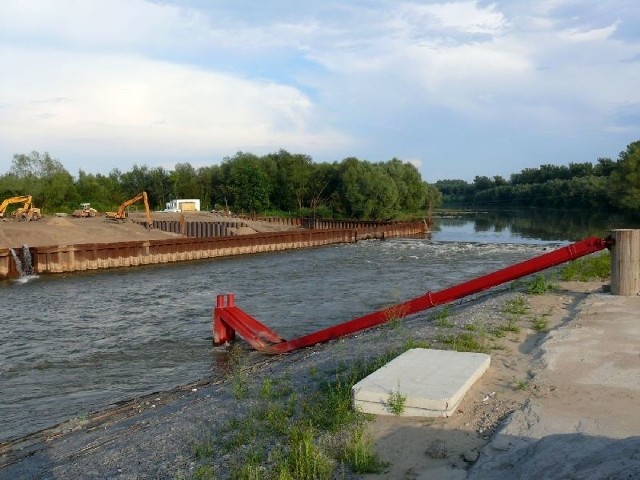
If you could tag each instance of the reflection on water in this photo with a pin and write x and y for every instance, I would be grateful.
(77, 343)
(532, 226)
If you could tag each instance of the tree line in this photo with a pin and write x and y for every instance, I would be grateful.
(277, 183)
(603, 185)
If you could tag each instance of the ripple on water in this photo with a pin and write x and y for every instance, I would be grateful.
(77, 343)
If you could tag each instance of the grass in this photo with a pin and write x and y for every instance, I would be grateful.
(465, 342)
(412, 342)
(305, 460)
(396, 402)
(442, 317)
(358, 453)
(516, 306)
(509, 326)
(539, 324)
(240, 386)
(204, 472)
(287, 434)
(203, 450)
(539, 285)
(521, 385)
(591, 267)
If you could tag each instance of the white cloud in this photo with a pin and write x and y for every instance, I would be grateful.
(590, 35)
(466, 17)
(149, 104)
(344, 77)
(94, 23)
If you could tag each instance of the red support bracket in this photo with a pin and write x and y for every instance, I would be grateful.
(229, 319)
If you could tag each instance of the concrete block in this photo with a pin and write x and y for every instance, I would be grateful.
(433, 382)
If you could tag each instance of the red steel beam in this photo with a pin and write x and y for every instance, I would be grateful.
(227, 320)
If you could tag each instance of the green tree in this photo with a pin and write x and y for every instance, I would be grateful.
(45, 179)
(247, 184)
(367, 190)
(290, 175)
(412, 191)
(624, 181)
(184, 181)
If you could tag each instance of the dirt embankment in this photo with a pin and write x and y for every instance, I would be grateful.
(68, 230)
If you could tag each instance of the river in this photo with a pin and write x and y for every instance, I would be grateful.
(74, 344)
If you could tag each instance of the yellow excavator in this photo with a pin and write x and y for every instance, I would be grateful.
(26, 212)
(121, 214)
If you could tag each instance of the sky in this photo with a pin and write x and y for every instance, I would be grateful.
(458, 88)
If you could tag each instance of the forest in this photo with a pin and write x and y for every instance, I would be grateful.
(609, 185)
(283, 183)
(280, 183)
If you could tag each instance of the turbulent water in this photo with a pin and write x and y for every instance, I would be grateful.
(74, 344)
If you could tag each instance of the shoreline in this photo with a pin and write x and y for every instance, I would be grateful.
(155, 435)
(67, 245)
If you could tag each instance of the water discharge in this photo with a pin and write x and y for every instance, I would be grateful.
(89, 340)
(25, 269)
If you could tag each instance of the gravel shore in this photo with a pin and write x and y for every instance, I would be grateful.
(162, 435)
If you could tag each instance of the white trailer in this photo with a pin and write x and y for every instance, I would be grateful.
(183, 205)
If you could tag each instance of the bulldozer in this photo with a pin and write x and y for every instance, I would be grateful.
(26, 212)
(121, 214)
(85, 211)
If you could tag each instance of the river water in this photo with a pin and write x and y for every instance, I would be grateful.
(73, 344)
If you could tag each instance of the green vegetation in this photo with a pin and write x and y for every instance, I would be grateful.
(605, 184)
(358, 453)
(516, 306)
(592, 267)
(465, 342)
(509, 326)
(305, 460)
(279, 183)
(539, 285)
(442, 317)
(539, 324)
(307, 434)
(396, 402)
(521, 385)
(283, 183)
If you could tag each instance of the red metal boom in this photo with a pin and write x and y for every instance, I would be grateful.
(229, 319)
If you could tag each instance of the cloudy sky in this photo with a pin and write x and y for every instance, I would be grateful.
(459, 88)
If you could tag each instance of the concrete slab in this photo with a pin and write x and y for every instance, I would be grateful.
(433, 382)
(583, 420)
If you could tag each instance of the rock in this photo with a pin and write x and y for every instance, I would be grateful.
(471, 456)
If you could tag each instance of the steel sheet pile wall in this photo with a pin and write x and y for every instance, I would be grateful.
(195, 229)
(289, 221)
(94, 256)
(320, 223)
(8, 267)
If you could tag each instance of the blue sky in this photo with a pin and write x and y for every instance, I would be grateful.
(459, 88)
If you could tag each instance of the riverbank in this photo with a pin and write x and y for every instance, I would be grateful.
(68, 230)
(200, 238)
(208, 426)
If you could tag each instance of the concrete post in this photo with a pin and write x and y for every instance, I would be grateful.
(625, 262)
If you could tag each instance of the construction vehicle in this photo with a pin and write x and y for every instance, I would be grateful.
(26, 212)
(121, 214)
(85, 211)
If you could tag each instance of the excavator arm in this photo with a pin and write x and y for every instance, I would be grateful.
(121, 213)
(26, 199)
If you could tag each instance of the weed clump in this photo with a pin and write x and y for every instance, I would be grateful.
(591, 267)
(539, 285)
(396, 402)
